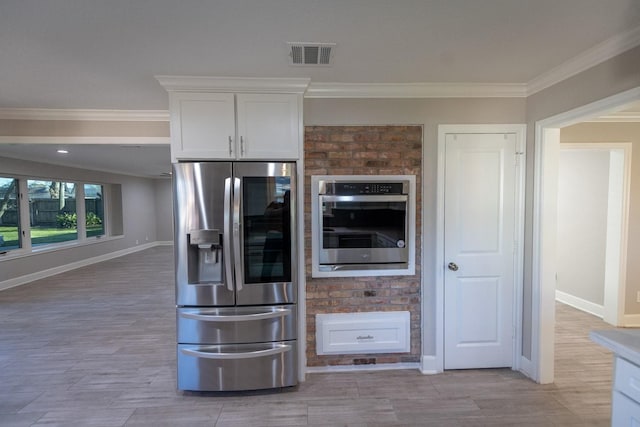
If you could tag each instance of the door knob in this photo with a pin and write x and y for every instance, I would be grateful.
(452, 266)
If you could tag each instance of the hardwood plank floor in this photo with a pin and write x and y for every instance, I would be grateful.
(96, 347)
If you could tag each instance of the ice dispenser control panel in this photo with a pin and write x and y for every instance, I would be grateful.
(205, 237)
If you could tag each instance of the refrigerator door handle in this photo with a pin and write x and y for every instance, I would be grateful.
(236, 234)
(283, 348)
(237, 318)
(226, 239)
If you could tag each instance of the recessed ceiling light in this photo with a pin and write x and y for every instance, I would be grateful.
(61, 151)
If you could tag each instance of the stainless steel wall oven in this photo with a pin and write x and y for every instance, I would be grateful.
(364, 223)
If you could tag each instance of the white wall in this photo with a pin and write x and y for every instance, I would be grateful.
(583, 193)
(164, 210)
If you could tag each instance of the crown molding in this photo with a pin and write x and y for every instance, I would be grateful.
(233, 84)
(87, 115)
(416, 90)
(587, 59)
(620, 117)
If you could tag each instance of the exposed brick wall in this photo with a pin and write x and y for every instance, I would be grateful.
(363, 150)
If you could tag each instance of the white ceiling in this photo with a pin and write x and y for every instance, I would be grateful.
(105, 54)
(149, 160)
(93, 54)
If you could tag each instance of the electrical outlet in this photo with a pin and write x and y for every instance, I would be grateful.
(136, 242)
(638, 297)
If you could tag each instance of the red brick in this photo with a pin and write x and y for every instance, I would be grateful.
(360, 150)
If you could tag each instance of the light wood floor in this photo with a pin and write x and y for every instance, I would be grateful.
(95, 347)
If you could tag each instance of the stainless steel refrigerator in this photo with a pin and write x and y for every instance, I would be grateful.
(235, 275)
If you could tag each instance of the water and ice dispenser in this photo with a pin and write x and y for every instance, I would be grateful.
(205, 256)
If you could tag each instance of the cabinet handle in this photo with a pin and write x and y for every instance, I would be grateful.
(230, 146)
(242, 146)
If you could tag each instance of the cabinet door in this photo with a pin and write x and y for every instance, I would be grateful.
(268, 126)
(202, 126)
(624, 411)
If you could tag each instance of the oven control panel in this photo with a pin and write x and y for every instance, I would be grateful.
(342, 188)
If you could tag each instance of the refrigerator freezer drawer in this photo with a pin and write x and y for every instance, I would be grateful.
(236, 325)
(237, 367)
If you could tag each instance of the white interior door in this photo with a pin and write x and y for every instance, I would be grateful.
(479, 250)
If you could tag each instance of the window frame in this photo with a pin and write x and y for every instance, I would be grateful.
(105, 211)
(24, 235)
(17, 190)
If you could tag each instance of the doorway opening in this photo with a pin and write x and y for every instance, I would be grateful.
(545, 204)
(593, 195)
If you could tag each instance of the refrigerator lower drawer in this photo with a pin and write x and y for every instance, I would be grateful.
(237, 367)
(236, 325)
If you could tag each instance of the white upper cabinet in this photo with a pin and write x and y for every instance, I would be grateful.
(268, 126)
(203, 125)
(238, 122)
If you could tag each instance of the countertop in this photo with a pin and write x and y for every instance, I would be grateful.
(624, 342)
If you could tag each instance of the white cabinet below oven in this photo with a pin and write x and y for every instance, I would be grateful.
(363, 333)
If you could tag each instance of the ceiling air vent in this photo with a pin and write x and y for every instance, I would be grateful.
(311, 53)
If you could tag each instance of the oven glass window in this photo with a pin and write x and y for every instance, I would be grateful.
(363, 224)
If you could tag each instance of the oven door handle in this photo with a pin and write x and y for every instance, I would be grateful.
(365, 198)
(281, 348)
(237, 318)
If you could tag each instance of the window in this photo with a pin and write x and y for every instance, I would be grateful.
(41, 213)
(52, 212)
(94, 210)
(9, 214)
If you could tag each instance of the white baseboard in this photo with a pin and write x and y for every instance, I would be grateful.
(429, 365)
(369, 367)
(580, 304)
(27, 278)
(630, 321)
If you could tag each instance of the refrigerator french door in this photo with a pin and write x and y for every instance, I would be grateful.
(235, 274)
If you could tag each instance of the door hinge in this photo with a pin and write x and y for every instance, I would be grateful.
(517, 157)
